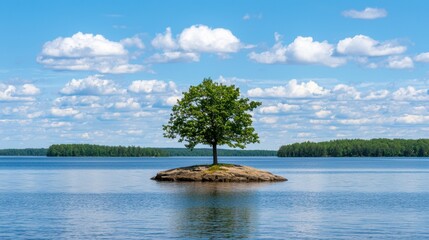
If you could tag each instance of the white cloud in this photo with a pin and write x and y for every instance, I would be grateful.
(367, 13)
(83, 45)
(64, 112)
(411, 94)
(172, 100)
(303, 50)
(280, 107)
(201, 38)
(191, 42)
(17, 93)
(291, 90)
(165, 41)
(268, 120)
(91, 101)
(422, 57)
(412, 119)
(303, 135)
(323, 113)
(248, 16)
(132, 42)
(354, 121)
(127, 104)
(85, 135)
(175, 56)
(91, 85)
(89, 52)
(29, 90)
(361, 45)
(397, 62)
(59, 124)
(374, 95)
(345, 92)
(151, 86)
(231, 80)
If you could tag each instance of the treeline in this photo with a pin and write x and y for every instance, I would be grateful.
(221, 152)
(90, 150)
(358, 148)
(24, 152)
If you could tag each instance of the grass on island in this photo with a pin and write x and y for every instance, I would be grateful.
(218, 167)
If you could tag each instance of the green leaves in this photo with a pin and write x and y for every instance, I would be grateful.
(212, 114)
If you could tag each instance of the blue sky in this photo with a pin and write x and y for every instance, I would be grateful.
(108, 72)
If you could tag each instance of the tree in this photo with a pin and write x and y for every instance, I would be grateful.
(212, 114)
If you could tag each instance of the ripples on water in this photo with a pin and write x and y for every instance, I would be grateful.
(114, 199)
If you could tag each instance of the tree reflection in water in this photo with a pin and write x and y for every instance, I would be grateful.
(216, 210)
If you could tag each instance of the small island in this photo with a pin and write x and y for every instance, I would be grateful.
(217, 173)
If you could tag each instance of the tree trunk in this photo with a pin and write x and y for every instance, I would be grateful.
(215, 154)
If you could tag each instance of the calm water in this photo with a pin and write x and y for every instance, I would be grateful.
(114, 198)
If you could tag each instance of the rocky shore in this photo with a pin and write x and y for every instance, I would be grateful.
(217, 173)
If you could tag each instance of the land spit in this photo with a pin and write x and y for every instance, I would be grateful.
(217, 173)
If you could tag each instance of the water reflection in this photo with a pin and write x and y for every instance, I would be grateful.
(215, 210)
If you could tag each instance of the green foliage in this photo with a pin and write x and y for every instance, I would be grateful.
(24, 152)
(89, 150)
(212, 114)
(358, 148)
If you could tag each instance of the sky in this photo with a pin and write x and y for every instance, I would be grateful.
(108, 72)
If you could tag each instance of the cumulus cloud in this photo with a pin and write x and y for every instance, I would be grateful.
(64, 112)
(379, 94)
(132, 42)
(127, 104)
(151, 86)
(292, 89)
(201, 38)
(268, 120)
(345, 92)
(165, 41)
(29, 90)
(18, 93)
(422, 57)
(89, 52)
(193, 41)
(398, 62)
(91, 101)
(172, 100)
(175, 56)
(412, 119)
(280, 107)
(91, 85)
(358, 121)
(303, 50)
(411, 94)
(323, 113)
(367, 13)
(361, 45)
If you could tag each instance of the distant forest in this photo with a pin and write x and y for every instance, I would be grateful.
(90, 150)
(24, 152)
(358, 148)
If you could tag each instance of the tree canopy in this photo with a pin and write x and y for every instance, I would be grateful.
(212, 114)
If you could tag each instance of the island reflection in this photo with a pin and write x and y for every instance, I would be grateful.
(215, 210)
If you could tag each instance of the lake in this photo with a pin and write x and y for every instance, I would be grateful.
(114, 198)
